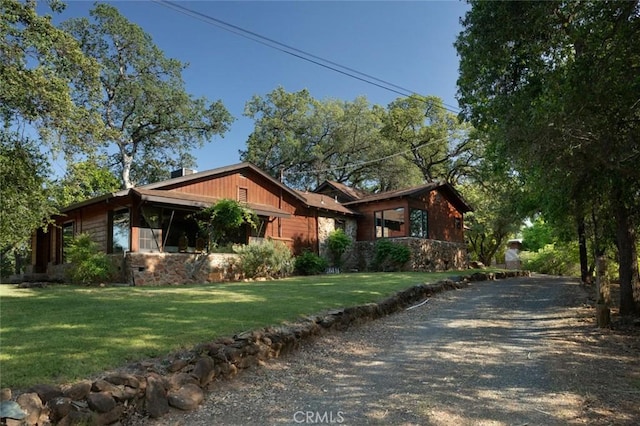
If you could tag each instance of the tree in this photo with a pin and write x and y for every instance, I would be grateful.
(40, 68)
(150, 118)
(305, 141)
(84, 180)
(24, 194)
(555, 85)
(433, 139)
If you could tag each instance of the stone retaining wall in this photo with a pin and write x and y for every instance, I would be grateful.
(426, 255)
(180, 268)
(181, 380)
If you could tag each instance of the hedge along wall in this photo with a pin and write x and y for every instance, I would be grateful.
(181, 380)
(426, 255)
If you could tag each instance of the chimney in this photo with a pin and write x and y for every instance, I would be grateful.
(182, 172)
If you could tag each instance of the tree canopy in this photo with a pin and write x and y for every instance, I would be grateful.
(555, 85)
(150, 119)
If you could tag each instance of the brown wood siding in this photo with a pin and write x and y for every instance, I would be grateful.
(259, 191)
(441, 217)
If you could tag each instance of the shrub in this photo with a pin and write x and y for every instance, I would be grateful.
(268, 259)
(309, 263)
(390, 256)
(553, 259)
(88, 264)
(338, 242)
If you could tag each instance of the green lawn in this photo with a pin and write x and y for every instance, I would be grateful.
(64, 333)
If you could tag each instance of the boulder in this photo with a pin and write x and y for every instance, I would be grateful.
(156, 401)
(77, 391)
(187, 397)
(204, 370)
(59, 407)
(32, 405)
(45, 392)
(102, 402)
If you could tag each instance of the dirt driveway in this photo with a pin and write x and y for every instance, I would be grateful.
(519, 351)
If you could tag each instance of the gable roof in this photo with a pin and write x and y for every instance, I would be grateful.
(176, 182)
(351, 194)
(445, 188)
(324, 202)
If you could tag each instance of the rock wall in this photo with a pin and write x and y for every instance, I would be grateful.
(181, 380)
(426, 255)
(180, 268)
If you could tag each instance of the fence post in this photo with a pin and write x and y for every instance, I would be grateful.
(603, 313)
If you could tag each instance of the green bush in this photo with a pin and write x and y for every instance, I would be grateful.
(88, 264)
(268, 259)
(390, 256)
(553, 259)
(338, 242)
(309, 263)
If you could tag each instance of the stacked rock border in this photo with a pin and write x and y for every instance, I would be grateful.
(180, 381)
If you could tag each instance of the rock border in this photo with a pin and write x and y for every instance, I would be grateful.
(181, 380)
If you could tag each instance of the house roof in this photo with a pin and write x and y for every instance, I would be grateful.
(324, 202)
(175, 198)
(351, 193)
(446, 188)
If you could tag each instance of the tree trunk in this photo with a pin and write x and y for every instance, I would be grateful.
(584, 260)
(628, 259)
(127, 161)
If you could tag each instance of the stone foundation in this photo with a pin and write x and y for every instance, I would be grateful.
(180, 268)
(426, 255)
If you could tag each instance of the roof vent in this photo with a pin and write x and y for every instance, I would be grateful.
(182, 172)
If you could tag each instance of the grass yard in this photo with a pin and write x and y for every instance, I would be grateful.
(64, 333)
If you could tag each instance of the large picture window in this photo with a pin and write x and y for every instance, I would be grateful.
(419, 223)
(390, 223)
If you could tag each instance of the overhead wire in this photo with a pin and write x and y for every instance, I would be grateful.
(300, 54)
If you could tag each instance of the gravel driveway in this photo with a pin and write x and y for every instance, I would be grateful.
(509, 352)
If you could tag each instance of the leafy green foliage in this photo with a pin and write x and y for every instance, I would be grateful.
(390, 256)
(84, 180)
(550, 83)
(41, 68)
(24, 196)
(338, 242)
(537, 236)
(553, 259)
(307, 141)
(309, 263)
(152, 122)
(222, 221)
(266, 259)
(88, 264)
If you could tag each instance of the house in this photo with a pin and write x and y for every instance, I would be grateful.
(153, 238)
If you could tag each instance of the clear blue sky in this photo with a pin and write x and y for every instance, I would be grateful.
(409, 44)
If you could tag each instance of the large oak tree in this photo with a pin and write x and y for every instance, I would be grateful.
(151, 121)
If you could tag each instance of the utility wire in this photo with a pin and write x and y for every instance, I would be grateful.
(298, 53)
(364, 163)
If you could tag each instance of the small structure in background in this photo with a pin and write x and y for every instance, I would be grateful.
(512, 255)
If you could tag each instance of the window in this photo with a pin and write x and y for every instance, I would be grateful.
(458, 222)
(67, 237)
(390, 223)
(120, 231)
(150, 239)
(419, 223)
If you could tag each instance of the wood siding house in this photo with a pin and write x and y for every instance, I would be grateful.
(157, 219)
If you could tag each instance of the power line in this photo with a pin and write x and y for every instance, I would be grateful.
(298, 53)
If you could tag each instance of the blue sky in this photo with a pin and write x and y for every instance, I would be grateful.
(409, 44)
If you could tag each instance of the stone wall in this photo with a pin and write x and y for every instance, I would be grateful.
(426, 255)
(181, 379)
(180, 268)
(326, 225)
